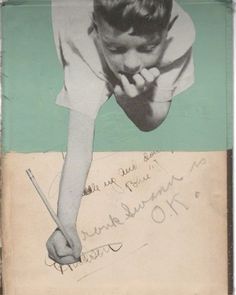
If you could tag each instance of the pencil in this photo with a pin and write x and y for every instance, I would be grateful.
(49, 208)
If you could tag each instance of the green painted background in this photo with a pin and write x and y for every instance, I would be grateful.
(199, 119)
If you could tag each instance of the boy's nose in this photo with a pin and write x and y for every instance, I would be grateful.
(132, 63)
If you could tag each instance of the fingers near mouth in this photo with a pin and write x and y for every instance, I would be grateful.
(139, 81)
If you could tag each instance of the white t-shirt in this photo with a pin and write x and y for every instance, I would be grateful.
(85, 83)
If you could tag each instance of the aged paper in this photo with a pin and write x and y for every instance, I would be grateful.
(150, 223)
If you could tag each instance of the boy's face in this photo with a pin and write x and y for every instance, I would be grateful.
(128, 54)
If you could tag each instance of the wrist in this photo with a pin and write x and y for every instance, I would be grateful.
(66, 222)
(70, 228)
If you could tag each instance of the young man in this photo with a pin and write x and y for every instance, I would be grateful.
(139, 50)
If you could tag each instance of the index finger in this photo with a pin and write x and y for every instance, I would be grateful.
(62, 260)
(129, 89)
(68, 260)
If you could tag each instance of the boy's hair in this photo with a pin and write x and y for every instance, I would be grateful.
(144, 16)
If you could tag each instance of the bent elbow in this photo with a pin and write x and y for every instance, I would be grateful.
(148, 126)
(152, 121)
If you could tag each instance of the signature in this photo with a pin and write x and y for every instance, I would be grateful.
(128, 212)
(88, 257)
(114, 221)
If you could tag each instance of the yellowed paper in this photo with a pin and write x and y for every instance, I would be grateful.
(150, 223)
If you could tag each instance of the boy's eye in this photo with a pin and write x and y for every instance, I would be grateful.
(116, 50)
(148, 48)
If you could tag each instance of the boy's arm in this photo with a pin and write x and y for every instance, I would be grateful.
(146, 115)
(147, 100)
(140, 101)
(74, 175)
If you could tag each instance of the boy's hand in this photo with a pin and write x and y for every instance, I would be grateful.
(143, 82)
(58, 249)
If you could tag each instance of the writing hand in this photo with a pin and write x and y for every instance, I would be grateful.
(60, 251)
(143, 81)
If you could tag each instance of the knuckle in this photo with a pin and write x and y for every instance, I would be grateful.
(133, 94)
(129, 92)
(155, 71)
(77, 255)
(48, 244)
(130, 95)
(144, 73)
(157, 74)
(141, 83)
(150, 79)
(60, 253)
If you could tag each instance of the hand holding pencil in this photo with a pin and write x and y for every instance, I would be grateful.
(64, 246)
(60, 251)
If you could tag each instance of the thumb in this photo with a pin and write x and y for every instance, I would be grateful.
(76, 247)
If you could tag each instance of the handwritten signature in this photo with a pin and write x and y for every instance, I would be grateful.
(88, 257)
(158, 214)
(131, 212)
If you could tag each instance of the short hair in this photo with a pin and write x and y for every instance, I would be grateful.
(144, 16)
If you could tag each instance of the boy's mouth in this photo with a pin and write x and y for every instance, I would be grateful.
(129, 77)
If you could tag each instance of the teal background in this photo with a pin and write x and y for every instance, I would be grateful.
(200, 119)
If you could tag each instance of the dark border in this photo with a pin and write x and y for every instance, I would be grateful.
(230, 221)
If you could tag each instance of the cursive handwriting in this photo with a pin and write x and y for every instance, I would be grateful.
(130, 212)
(90, 189)
(91, 255)
(149, 156)
(113, 183)
(88, 257)
(197, 164)
(135, 183)
(125, 171)
(113, 222)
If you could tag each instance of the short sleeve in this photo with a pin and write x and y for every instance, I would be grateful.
(180, 37)
(177, 66)
(84, 88)
(176, 77)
